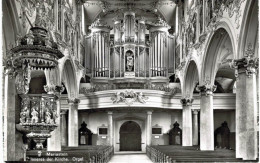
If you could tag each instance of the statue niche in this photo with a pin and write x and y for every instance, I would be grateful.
(222, 135)
(175, 135)
(129, 65)
(85, 135)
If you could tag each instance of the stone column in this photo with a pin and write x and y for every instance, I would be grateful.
(206, 117)
(15, 84)
(149, 128)
(186, 121)
(64, 129)
(195, 129)
(73, 123)
(9, 120)
(110, 128)
(54, 142)
(246, 108)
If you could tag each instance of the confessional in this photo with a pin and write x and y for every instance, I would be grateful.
(175, 135)
(85, 135)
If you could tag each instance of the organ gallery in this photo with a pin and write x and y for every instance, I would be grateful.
(95, 81)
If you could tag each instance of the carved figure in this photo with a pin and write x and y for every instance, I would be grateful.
(129, 97)
(23, 116)
(34, 116)
(47, 117)
(55, 116)
(117, 98)
(130, 63)
(140, 97)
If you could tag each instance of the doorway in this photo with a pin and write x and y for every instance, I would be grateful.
(130, 136)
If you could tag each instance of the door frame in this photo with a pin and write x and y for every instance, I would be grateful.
(118, 120)
(139, 134)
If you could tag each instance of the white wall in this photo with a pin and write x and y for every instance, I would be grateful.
(164, 119)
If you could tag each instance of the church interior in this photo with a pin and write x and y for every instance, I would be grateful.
(176, 80)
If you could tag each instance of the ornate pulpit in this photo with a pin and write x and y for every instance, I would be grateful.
(85, 135)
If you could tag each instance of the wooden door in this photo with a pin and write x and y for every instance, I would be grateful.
(130, 137)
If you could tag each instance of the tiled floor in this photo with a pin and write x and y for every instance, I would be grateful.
(130, 158)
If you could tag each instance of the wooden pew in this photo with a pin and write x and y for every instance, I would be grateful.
(168, 154)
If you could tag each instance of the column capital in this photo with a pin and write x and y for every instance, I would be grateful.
(149, 112)
(206, 89)
(186, 101)
(109, 112)
(53, 89)
(247, 65)
(195, 111)
(73, 101)
(63, 112)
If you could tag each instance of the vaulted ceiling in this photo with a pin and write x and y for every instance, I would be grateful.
(109, 9)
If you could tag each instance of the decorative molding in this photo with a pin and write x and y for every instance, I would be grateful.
(160, 23)
(99, 23)
(129, 97)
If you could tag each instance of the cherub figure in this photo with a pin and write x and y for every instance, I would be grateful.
(117, 98)
(141, 98)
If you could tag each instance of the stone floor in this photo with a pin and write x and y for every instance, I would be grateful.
(130, 158)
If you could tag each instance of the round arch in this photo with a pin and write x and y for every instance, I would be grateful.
(219, 47)
(130, 136)
(249, 30)
(11, 26)
(69, 78)
(191, 78)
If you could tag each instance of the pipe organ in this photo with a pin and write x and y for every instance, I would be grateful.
(134, 48)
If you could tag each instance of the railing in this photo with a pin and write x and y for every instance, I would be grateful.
(102, 156)
(157, 156)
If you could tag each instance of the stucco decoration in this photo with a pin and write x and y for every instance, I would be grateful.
(232, 7)
(247, 64)
(129, 97)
